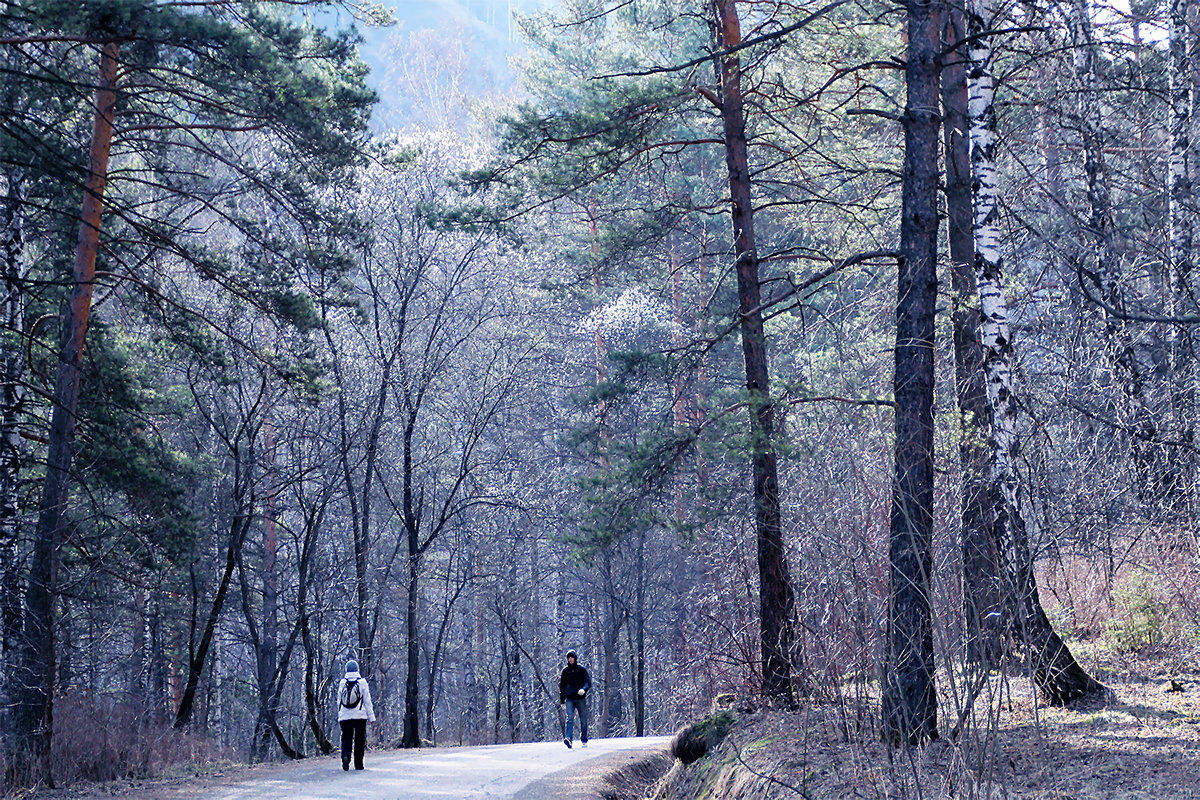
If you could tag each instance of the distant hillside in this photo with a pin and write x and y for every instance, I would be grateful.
(440, 48)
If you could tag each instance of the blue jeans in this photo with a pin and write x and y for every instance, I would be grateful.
(580, 706)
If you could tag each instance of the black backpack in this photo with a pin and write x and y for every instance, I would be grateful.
(351, 694)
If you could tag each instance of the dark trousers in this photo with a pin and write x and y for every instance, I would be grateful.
(354, 731)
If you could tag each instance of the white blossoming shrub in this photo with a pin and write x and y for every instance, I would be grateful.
(635, 320)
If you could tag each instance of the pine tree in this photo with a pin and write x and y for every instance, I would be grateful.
(172, 85)
(909, 695)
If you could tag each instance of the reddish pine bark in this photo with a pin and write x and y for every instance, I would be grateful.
(776, 598)
(35, 713)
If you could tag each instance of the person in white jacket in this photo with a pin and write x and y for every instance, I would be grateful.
(354, 711)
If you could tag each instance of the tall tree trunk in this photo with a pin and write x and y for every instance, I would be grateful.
(314, 518)
(439, 646)
(411, 736)
(413, 511)
(12, 401)
(536, 565)
(1100, 213)
(1179, 490)
(980, 567)
(1055, 672)
(776, 597)
(639, 678)
(267, 656)
(611, 704)
(909, 697)
(35, 711)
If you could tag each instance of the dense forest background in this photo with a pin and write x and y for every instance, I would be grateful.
(758, 346)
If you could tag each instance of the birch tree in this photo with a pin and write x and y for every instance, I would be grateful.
(1055, 672)
(981, 579)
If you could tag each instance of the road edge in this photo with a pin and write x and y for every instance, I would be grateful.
(624, 775)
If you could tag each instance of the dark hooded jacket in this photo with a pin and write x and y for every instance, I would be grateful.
(573, 679)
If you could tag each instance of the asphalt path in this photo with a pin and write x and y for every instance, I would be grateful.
(526, 771)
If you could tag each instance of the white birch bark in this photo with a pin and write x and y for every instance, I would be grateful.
(1056, 673)
(994, 330)
(999, 377)
(1085, 56)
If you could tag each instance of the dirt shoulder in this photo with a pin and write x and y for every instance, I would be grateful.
(201, 781)
(627, 775)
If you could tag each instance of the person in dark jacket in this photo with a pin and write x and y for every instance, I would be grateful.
(572, 688)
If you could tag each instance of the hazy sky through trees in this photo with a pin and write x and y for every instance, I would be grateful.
(485, 28)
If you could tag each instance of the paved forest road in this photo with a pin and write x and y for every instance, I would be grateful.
(535, 771)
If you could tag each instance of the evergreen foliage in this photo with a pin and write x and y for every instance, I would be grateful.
(452, 400)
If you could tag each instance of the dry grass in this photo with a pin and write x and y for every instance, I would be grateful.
(101, 744)
(1142, 742)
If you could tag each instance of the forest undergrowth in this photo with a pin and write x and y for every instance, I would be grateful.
(1142, 741)
(1133, 627)
(1131, 621)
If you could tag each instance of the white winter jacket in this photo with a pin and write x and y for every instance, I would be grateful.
(364, 710)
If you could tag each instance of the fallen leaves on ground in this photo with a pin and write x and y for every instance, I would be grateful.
(1141, 742)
